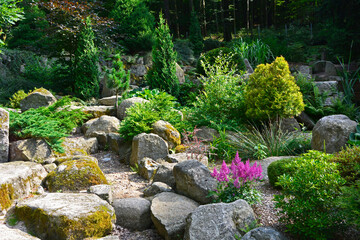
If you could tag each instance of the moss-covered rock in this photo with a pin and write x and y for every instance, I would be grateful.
(75, 175)
(37, 98)
(170, 134)
(18, 180)
(60, 216)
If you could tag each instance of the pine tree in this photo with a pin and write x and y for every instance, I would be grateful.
(163, 73)
(195, 36)
(118, 78)
(85, 67)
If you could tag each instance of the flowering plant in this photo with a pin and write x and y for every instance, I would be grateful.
(237, 182)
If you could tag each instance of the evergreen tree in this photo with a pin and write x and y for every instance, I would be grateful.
(195, 36)
(85, 68)
(118, 78)
(163, 73)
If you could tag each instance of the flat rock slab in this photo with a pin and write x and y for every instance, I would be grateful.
(7, 233)
(61, 216)
(18, 179)
(169, 212)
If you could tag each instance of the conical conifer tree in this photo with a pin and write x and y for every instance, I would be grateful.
(163, 73)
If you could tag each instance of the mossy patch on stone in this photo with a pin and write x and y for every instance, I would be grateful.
(172, 134)
(45, 226)
(6, 196)
(181, 148)
(75, 175)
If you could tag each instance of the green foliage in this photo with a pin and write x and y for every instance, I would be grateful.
(86, 74)
(235, 60)
(141, 116)
(210, 44)
(136, 24)
(269, 140)
(354, 138)
(195, 36)
(349, 203)
(255, 51)
(163, 73)
(222, 97)
(279, 168)
(184, 52)
(146, 93)
(10, 13)
(16, 98)
(118, 77)
(307, 201)
(348, 160)
(49, 123)
(271, 92)
(221, 147)
(188, 92)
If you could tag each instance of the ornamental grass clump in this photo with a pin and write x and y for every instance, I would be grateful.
(237, 182)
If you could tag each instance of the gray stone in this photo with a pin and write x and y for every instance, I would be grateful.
(139, 70)
(133, 213)
(38, 98)
(103, 191)
(147, 168)
(127, 103)
(157, 187)
(262, 233)
(305, 70)
(327, 86)
(66, 216)
(7, 233)
(330, 69)
(169, 212)
(96, 111)
(120, 146)
(193, 179)
(290, 125)
(148, 145)
(206, 134)
(219, 221)
(106, 92)
(180, 74)
(170, 134)
(4, 135)
(33, 150)
(102, 138)
(182, 157)
(332, 130)
(248, 66)
(104, 124)
(80, 146)
(60, 160)
(86, 125)
(306, 120)
(165, 174)
(110, 237)
(50, 167)
(19, 179)
(108, 101)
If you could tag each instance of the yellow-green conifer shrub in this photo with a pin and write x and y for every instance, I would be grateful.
(271, 92)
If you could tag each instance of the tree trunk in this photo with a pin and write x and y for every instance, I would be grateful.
(227, 22)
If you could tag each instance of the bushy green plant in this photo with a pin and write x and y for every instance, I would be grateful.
(140, 117)
(271, 92)
(354, 137)
(16, 98)
(270, 140)
(184, 52)
(235, 60)
(307, 202)
(49, 123)
(118, 78)
(210, 44)
(86, 74)
(222, 96)
(348, 160)
(221, 147)
(255, 51)
(188, 92)
(279, 168)
(195, 36)
(162, 75)
(349, 203)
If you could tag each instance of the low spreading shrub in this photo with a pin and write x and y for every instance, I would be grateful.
(307, 202)
(279, 168)
(237, 182)
(349, 203)
(16, 98)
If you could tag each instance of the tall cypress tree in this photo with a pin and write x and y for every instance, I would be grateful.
(195, 36)
(85, 68)
(163, 73)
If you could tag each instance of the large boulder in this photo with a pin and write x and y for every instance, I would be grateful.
(169, 212)
(19, 179)
(333, 131)
(75, 175)
(79, 146)
(290, 125)
(206, 134)
(14, 234)
(148, 145)
(120, 146)
(62, 216)
(108, 101)
(38, 98)
(4, 135)
(33, 150)
(127, 103)
(164, 174)
(182, 157)
(261, 233)
(219, 221)
(133, 213)
(193, 179)
(167, 132)
(105, 124)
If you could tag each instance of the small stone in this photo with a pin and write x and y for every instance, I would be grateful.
(50, 167)
(147, 168)
(157, 187)
(103, 191)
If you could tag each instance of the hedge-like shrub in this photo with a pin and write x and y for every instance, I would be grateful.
(278, 168)
(271, 92)
(348, 161)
